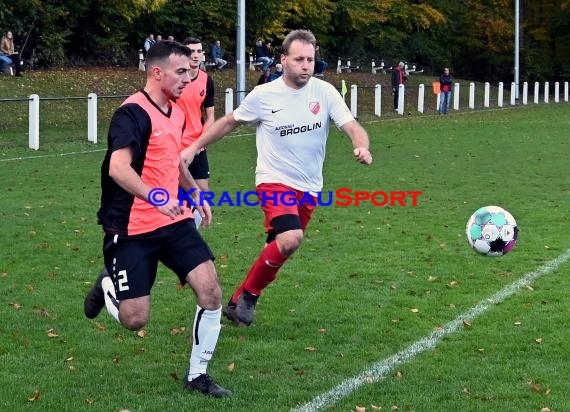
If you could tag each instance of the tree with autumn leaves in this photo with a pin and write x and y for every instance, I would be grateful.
(475, 37)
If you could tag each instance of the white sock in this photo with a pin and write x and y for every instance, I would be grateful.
(205, 336)
(111, 301)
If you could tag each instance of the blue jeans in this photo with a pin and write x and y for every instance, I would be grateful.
(444, 102)
(267, 62)
(5, 62)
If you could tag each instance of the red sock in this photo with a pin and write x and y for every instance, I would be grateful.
(263, 271)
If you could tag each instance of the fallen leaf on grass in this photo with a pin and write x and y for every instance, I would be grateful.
(360, 409)
(35, 396)
(466, 324)
(51, 334)
(311, 349)
(538, 340)
(231, 367)
(545, 409)
(375, 408)
(414, 310)
(141, 333)
(16, 305)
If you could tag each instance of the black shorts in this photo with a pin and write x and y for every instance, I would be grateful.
(199, 168)
(132, 261)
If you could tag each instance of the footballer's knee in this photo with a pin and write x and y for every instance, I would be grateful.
(288, 242)
(134, 313)
(204, 281)
(133, 322)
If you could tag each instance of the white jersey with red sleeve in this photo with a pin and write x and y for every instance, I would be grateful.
(292, 130)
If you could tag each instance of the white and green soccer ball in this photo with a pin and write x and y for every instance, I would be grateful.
(492, 231)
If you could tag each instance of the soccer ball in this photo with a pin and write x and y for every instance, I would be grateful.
(492, 231)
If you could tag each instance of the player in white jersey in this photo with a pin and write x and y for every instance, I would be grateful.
(292, 115)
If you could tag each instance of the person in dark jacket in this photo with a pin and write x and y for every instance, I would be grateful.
(398, 78)
(445, 83)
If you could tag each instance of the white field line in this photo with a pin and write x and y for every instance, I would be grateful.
(12, 159)
(381, 369)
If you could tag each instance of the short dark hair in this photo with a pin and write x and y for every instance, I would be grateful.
(164, 49)
(191, 40)
(305, 36)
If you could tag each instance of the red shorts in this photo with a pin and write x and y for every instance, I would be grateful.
(277, 199)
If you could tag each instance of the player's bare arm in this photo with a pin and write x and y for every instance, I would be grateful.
(360, 141)
(218, 130)
(209, 118)
(125, 176)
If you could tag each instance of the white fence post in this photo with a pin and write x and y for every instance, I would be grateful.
(513, 93)
(34, 122)
(401, 91)
(525, 93)
(456, 96)
(373, 67)
(546, 91)
(354, 100)
(251, 66)
(421, 93)
(142, 66)
(536, 92)
(229, 100)
(486, 99)
(437, 101)
(472, 95)
(500, 95)
(566, 91)
(339, 66)
(378, 100)
(556, 92)
(92, 118)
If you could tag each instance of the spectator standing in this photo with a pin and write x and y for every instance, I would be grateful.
(7, 49)
(217, 55)
(320, 64)
(149, 42)
(292, 116)
(445, 83)
(398, 78)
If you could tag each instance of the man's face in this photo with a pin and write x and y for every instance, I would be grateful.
(298, 64)
(197, 54)
(175, 75)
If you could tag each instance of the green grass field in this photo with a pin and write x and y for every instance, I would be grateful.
(368, 282)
